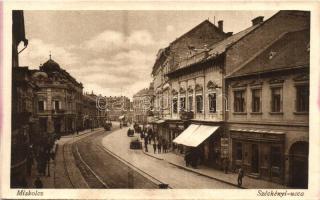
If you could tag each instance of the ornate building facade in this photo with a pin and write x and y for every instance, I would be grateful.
(59, 99)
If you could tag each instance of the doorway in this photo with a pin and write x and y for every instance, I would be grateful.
(299, 152)
(254, 158)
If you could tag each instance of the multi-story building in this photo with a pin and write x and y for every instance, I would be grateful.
(195, 93)
(143, 105)
(268, 91)
(118, 106)
(93, 116)
(58, 99)
(24, 119)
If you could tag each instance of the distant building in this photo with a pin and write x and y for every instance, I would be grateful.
(143, 105)
(118, 106)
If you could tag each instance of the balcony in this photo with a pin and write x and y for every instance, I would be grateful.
(186, 115)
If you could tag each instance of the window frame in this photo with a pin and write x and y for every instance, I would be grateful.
(197, 109)
(175, 105)
(272, 88)
(253, 110)
(297, 86)
(243, 103)
(210, 101)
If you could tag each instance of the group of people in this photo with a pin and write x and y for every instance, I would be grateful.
(160, 145)
(40, 154)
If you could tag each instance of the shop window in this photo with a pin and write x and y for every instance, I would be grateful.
(175, 105)
(276, 99)
(239, 101)
(199, 101)
(302, 99)
(238, 151)
(212, 103)
(190, 99)
(182, 103)
(275, 161)
(256, 100)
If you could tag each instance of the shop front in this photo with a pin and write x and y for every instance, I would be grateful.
(205, 140)
(259, 152)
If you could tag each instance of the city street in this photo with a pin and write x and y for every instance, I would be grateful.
(118, 142)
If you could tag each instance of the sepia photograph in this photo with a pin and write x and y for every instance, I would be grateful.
(160, 99)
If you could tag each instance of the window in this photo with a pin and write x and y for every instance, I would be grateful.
(212, 103)
(239, 101)
(40, 105)
(182, 103)
(56, 105)
(276, 104)
(190, 103)
(256, 95)
(238, 151)
(302, 102)
(175, 105)
(199, 102)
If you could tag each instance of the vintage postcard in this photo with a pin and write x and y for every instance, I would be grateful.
(142, 100)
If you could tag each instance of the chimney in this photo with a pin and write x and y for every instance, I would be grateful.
(257, 20)
(220, 25)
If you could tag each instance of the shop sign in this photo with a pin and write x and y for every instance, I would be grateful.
(224, 147)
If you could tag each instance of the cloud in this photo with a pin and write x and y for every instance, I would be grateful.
(38, 52)
(110, 40)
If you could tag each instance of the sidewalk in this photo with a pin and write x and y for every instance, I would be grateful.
(247, 182)
(47, 181)
(118, 143)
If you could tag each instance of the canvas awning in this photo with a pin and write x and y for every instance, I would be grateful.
(186, 133)
(194, 135)
(121, 117)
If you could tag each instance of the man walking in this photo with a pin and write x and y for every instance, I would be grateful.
(146, 143)
(154, 147)
(159, 147)
(240, 176)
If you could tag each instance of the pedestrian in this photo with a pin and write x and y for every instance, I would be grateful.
(38, 183)
(165, 146)
(240, 176)
(159, 147)
(154, 147)
(146, 144)
(187, 159)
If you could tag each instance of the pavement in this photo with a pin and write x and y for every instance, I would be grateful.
(118, 143)
(56, 169)
(170, 168)
(230, 178)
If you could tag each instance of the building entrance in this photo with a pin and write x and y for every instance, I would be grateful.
(299, 152)
(255, 159)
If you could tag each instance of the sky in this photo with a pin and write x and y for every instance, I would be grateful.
(112, 52)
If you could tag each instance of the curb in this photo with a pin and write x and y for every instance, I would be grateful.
(152, 156)
(70, 136)
(132, 166)
(211, 177)
(199, 173)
